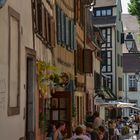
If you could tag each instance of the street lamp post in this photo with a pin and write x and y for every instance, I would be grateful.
(130, 42)
(132, 48)
(137, 76)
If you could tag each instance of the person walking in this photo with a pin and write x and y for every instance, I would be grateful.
(51, 131)
(98, 134)
(79, 134)
(97, 120)
(60, 127)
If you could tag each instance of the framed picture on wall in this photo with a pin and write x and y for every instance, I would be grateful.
(62, 103)
(54, 103)
(62, 115)
(55, 115)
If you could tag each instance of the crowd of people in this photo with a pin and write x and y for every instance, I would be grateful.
(95, 128)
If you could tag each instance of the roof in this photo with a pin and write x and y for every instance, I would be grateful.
(104, 21)
(131, 62)
(130, 23)
(105, 3)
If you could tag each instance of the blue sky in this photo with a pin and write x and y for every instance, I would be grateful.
(124, 6)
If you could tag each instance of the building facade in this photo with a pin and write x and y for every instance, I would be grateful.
(131, 94)
(17, 62)
(107, 16)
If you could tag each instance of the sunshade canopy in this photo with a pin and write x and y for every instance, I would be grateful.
(116, 104)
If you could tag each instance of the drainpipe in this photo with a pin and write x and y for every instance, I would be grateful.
(126, 92)
(85, 21)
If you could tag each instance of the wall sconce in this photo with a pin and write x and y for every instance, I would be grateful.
(130, 42)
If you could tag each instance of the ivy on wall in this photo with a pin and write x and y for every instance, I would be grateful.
(46, 76)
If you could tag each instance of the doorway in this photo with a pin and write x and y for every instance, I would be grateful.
(61, 109)
(30, 97)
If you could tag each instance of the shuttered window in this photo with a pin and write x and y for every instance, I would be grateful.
(52, 33)
(80, 59)
(62, 26)
(39, 16)
(66, 35)
(74, 38)
(46, 26)
(71, 35)
(67, 31)
(97, 82)
(87, 54)
(58, 24)
(43, 20)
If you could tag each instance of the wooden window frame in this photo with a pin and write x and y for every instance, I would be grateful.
(133, 86)
(101, 12)
(14, 110)
(106, 35)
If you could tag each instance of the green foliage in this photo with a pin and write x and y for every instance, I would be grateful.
(45, 74)
(42, 121)
(125, 130)
(74, 111)
(134, 8)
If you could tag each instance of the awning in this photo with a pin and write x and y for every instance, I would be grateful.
(135, 108)
(116, 104)
(108, 95)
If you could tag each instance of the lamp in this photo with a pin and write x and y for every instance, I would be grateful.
(137, 76)
(130, 42)
(2, 2)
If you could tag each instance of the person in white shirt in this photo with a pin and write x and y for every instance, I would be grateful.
(79, 135)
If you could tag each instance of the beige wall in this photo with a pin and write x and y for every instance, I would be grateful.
(13, 127)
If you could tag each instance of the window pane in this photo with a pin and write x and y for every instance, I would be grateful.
(103, 31)
(108, 31)
(108, 45)
(109, 54)
(109, 62)
(109, 12)
(103, 45)
(108, 38)
(98, 13)
(109, 68)
(104, 69)
(103, 12)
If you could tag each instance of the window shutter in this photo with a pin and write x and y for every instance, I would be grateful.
(58, 24)
(43, 21)
(52, 33)
(104, 58)
(122, 38)
(35, 15)
(67, 31)
(39, 16)
(62, 26)
(80, 59)
(46, 26)
(49, 29)
(71, 35)
(74, 37)
(65, 28)
(87, 54)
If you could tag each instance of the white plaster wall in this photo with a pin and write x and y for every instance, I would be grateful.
(116, 49)
(13, 127)
(130, 95)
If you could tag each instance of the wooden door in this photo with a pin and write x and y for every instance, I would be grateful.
(61, 109)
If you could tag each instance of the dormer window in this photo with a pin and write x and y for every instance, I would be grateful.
(103, 12)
